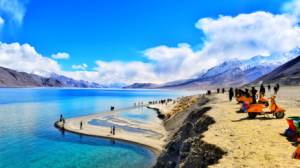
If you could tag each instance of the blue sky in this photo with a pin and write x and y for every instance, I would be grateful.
(121, 33)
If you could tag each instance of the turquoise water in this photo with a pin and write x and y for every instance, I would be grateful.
(28, 137)
(142, 114)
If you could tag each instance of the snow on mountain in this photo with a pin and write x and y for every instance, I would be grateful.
(45, 74)
(274, 60)
(68, 81)
(198, 74)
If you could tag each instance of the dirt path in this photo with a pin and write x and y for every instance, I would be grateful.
(255, 142)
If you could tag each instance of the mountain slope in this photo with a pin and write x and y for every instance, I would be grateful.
(232, 77)
(69, 81)
(235, 72)
(75, 83)
(274, 60)
(290, 69)
(12, 78)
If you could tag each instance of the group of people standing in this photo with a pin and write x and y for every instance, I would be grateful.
(223, 90)
(253, 91)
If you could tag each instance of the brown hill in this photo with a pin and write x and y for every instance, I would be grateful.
(12, 78)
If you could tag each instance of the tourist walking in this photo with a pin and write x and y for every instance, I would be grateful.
(246, 90)
(223, 90)
(236, 92)
(253, 92)
(80, 124)
(231, 94)
(61, 117)
(275, 89)
(278, 87)
(218, 90)
(269, 87)
(262, 89)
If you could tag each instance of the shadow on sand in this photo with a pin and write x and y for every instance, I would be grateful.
(291, 139)
(258, 118)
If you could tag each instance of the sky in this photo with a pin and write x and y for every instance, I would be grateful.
(141, 41)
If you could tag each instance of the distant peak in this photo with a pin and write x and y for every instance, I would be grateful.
(297, 48)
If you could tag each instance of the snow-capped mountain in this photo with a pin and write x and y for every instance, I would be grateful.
(199, 74)
(68, 81)
(274, 61)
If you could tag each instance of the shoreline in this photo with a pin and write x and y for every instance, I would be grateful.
(144, 140)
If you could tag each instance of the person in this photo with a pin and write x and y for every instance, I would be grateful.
(60, 117)
(275, 89)
(80, 124)
(231, 94)
(253, 91)
(223, 90)
(218, 90)
(278, 87)
(246, 90)
(273, 106)
(269, 87)
(114, 130)
(236, 92)
(262, 89)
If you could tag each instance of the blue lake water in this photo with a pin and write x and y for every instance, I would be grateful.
(28, 137)
(142, 114)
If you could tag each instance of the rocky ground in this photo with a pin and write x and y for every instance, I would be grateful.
(185, 147)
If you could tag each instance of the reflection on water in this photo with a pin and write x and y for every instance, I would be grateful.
(28, 137)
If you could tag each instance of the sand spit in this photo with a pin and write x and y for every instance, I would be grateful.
(151, 141)
(163, 109)
(255, 142)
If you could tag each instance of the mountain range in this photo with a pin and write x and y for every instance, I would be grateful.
(234, 72)
(288, 74)
(69, 81)
(12, 78)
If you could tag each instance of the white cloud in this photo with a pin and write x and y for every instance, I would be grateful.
(247, 35)
(60, 56)
(25, 58)
(79, 66)
(135, 71)
(15, 9)
(1, 21)
(226, 37)
(292, 7)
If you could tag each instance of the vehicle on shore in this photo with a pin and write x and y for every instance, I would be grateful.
(257, 109)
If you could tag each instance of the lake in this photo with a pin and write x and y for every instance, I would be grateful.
(28, 137)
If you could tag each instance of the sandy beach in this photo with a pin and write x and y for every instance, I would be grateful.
(255, 142)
